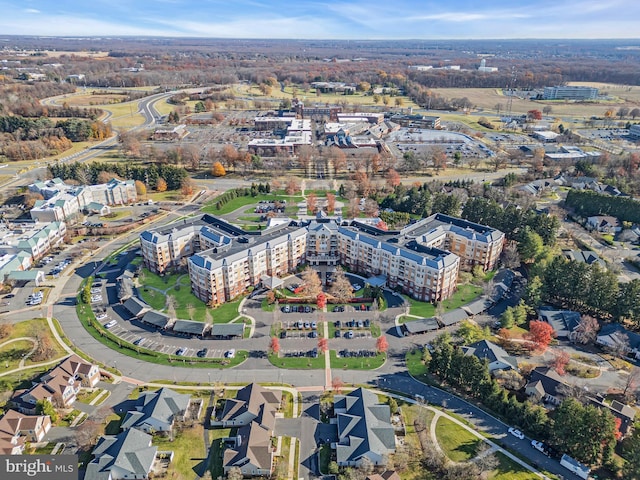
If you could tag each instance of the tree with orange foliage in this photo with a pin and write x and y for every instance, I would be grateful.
(292, 187)
(323, 345)
(321, 301)
(312, 203)
(217, 170)
(274, 345)
(331, 203)
(187, 187)
(539, 336)
(382, 345)
(393, 178)
(161, 185)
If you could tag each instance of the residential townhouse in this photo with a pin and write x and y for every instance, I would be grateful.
(157, 411)
(60, 386)
(16, 429)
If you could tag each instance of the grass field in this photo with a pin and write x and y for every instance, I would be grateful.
(357, 363)
(457, 443)
(510, 470)
(10, 355)
(189, 460)
(465, 294)
(297, 363)
(416, 368)
(238, 202)
(183, 297)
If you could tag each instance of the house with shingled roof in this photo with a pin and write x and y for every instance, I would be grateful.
(157, 411)
(364, 429)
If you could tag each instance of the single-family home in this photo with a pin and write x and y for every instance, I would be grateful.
(252, 403)
(252, 452)
(625, 413)
(74, 366)
(615, 337)
(128, 455)
(364, 429)
(157, 411)
(604, 224)
(497, 358)
(564, 322)
(545, 385)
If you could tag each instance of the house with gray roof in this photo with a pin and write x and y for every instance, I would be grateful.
(156, 319)
(189, 328)
(497, 358)
(253, 403)
(545, 385)
(252, 452)
(615, 337)
(157, 411)
(124, 456)
(452, 317)
(564, 322)
(364, 429)
(136, 307)
(584, 256)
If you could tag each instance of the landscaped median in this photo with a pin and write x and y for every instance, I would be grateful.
(97, 331)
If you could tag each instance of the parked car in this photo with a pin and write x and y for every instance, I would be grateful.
(101, 316)
(181, 351)
(230, 353)
(139, 341)
(540, 446)
(349, 334)
(110, 324)
(202, 352)
(516, 433)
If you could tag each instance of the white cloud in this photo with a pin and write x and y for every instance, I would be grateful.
(32, 10)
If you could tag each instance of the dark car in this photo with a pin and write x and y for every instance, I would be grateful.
(11, 295)
(202, 353)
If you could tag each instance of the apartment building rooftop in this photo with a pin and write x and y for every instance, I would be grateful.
(435, 225)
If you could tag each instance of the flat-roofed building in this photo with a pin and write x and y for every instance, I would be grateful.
(567, 92)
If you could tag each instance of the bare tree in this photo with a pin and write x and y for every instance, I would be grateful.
(312, 285)
(510, 256)
(631, 383)
(341, 288)
(587, 330)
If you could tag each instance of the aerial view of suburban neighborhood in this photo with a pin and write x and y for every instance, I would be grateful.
(265, 254)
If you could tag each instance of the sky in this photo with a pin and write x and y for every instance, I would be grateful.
(324, 19)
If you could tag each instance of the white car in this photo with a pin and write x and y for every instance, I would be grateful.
(516, 433)
(101, 316)
(230, 353)
(540, 446)
(111, 324)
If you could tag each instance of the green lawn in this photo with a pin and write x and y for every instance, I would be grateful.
(87, 396)
(465, 294)
(456, 442)
(510, 470)
(189, 460)
(357, 363)
(10, 355)
(217, 435)
(179, 288)
(299, 363)
(238, 202)
(414, 363)
(325, 458)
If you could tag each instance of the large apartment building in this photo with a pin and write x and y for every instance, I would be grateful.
(422, 260)
(567, 92)
(63, 202)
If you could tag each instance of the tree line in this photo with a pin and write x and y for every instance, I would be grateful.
(587, 203)
(150, 174)
(584, 288)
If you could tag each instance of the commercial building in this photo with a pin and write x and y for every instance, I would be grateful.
(422, 259)
(33, 240)
(65, 202)
(566, 92)
(634, 131)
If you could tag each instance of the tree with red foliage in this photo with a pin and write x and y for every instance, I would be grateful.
(617, 433)
(534, 115)
(382, 225)
(321, 301)
(311, 203)
(539, 336)
(323, 345)
(560, 361)
(382, 345)
(274, 346)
